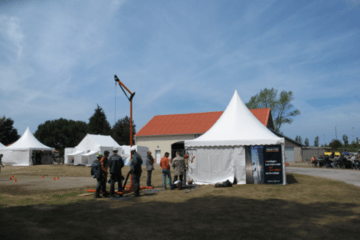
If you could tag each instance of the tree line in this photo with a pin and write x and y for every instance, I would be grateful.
(335, 143)
(62, 133)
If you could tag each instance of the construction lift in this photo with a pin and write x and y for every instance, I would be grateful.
(127, 188)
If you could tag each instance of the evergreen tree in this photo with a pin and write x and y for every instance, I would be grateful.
(8, 134)
(335, 144)
(121, 131)
(316, 141)
(98, 123)
(306, 142)
(345, 139)
(61, 133)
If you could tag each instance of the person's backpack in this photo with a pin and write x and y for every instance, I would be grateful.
(96, 169)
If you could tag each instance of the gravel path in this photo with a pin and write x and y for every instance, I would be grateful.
(348, 176)
(47, 183)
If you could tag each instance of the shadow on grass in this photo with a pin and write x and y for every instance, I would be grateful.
(290, 179)
(217, 217)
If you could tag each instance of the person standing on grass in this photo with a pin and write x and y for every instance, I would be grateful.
(149, 167)
(164, 163)
(179, 165)
(96, 173)
(104, 169)
(1, 165)
(116, 164)
(135, 169)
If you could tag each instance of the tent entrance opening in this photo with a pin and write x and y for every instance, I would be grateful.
(177, 147)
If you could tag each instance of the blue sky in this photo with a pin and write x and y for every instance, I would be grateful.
(58, 59)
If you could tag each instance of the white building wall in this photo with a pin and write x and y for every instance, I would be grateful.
(162, 143)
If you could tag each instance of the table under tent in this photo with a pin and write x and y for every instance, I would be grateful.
(25, 150)
(238, 148)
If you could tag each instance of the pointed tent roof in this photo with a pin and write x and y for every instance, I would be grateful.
(27, 141)
(2, 145)
(92, 141)
(237, 126)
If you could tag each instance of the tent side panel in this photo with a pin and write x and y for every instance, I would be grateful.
(211, 165)
(67, 152)
(239, 165)
(16, 157)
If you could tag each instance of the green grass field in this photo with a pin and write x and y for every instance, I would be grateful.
(306, 208)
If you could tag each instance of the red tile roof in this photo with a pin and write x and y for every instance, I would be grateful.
(190, 123)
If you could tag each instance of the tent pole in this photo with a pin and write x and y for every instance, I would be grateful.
(131, 133)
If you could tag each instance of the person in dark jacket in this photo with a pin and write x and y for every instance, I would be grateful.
(115, 164)
(104, 171)
(96, 173)
(149, 167)
(135, 169)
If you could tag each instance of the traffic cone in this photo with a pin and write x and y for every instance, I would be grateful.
(57, 178)
(54, 179)
(10, 178)
(42, 176)
(15, 180)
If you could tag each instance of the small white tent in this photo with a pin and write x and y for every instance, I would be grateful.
(20, 152)
(85, 152)
(221, 153)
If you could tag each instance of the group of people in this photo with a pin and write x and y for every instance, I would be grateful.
(114, 164)
(178, 164)
(105, 164)
(345, 160)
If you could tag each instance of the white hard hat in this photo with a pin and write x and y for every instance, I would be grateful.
(115, 149)
(133, 148)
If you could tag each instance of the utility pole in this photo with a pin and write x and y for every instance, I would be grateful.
(335, 132)
(353, 134)
(324, 139)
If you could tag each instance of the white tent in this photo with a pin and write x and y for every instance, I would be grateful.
(85, 152)
(20, 152)
(2, 146)
(221, 153)
(141, 150)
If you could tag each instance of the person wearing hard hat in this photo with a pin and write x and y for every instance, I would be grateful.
(135, 170)
(96, 173)
(115, 165)
(104, 170)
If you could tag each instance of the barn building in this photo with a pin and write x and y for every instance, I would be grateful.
(167, 133)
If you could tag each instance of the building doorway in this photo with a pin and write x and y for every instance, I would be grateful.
(157, 156)
(178, 146)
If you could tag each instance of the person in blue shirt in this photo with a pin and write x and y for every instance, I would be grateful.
(346, 153)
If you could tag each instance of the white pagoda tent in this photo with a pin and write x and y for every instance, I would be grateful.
(221, 153)
(20, 152)
(85, 152)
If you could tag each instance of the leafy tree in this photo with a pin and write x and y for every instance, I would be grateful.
(345, 139)
(281, 108)
(335, 144)
(316, 141)
(61, 133)
(8, 134)
(121, 131)
(306, 142)
(98, 123)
